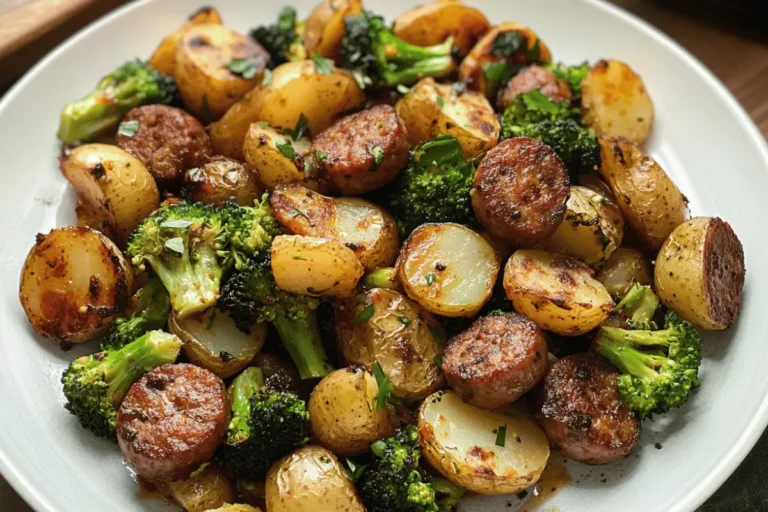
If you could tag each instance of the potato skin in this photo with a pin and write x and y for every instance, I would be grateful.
(624, 268)
(404, 338)
(325, 27)
(700, 271)
(163, 58)
(261, 151)
(648, 199)
(221, 179)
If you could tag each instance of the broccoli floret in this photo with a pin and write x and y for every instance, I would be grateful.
(150, 311)
(250, 296)
(378, 57)
(573, 76)
(131, 85)
(187, 246)
(658, 368)
(557, 124)
(249, 229)
(95, 385)
(283, 40)
(433, 188)
(447, 494)
(266, 425)
(639, 306)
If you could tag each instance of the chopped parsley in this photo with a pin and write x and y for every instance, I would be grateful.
(128, 128)
(286, 148)
(243, 68)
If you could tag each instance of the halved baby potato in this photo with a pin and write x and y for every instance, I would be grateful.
(74, 283)
(556, 291)
(448, 268)
(277, 158)
(625, 268)
(163, 58)
(483, 451)
(325, 26)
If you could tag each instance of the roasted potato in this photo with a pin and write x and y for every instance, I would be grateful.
(484, 452)
(614, 101)
(212, 341)
(221, 179)
(622, 270)
(236, 508)
(74, 283)
(649, 201)
(277, 158)
(309, 480)
(325, 27)
(430, 109)
(382, 325)
(295, 88)
(699, 272)
(448, 268)
(112, 186)
(591, 230)
(474, 66)
(555, 291)
(433, 23)
(362, 226)
(345, 416)
(314, 266)
(204, 490)
(205, 72)
(163, 58)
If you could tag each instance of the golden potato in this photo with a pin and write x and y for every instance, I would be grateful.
(219, 180)
(649, 201)
(591, 230)
(362, 226)
(430, 109)
(325, 28)
(699, 272)
(215, 67)
(277, 158)
(614, 101)
(310, 479)
(74, 283)
(236, 508)
(555, 291)
(625, 268)
(202, 491)
(433, 23)
(483, 451)
(294, 88)
(448, 268)
(163, 58)
(314, 266)
(113, 186)
(382, 325)
(345, 416)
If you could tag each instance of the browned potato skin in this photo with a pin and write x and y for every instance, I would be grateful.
(520, 191)
(700, 271)
(163, 58)
(51, 290)
(319, 219)
(325, 28)
(207, 87)
(648, 199)
(403, 337)
(434, 22)
(623, 269)
(220, 179)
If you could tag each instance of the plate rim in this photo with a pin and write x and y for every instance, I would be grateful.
(704, 488)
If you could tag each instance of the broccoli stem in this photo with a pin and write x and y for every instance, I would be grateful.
(241, 391)
(631, 361)
(301, 337)
(641, 304)
(394, 49)
(630, 337)
(88, 118)
(435, 67)
(192, 286)
(380, 278)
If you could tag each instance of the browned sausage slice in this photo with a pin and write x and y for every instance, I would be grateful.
(498, 359)
(172, 420)
(582, 412)
(520, 190)
(534, 78)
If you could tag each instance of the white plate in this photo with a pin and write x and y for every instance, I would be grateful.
(701, 136)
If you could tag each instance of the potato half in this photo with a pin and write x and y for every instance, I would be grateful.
(358, 224)
(699, 272)
(236, 508)
(206, 490)
(483, 451)
(430, 109)
(325, 27)
(163, 58)
(624, 268)
(448, 268)
(221, 179)
(277, 158)
(74, 283)
(116, 188)
(556, 291)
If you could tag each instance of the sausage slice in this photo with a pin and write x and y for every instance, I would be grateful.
(534, 78)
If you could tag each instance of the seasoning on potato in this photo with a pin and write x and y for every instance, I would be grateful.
(279, 158)
(219, 180)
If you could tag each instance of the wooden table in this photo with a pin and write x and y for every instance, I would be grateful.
(742, 64)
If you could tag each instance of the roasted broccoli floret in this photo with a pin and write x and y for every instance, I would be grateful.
(250, 295)
(573, 76)
(187, 247)
(131, 85)
(266, 425)
(659, 368)
(447, 494)
(433, 188)
(151, 306)
(557, 124)
(380, 58)
(95, 385)
(283, 40)
(249, 229)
